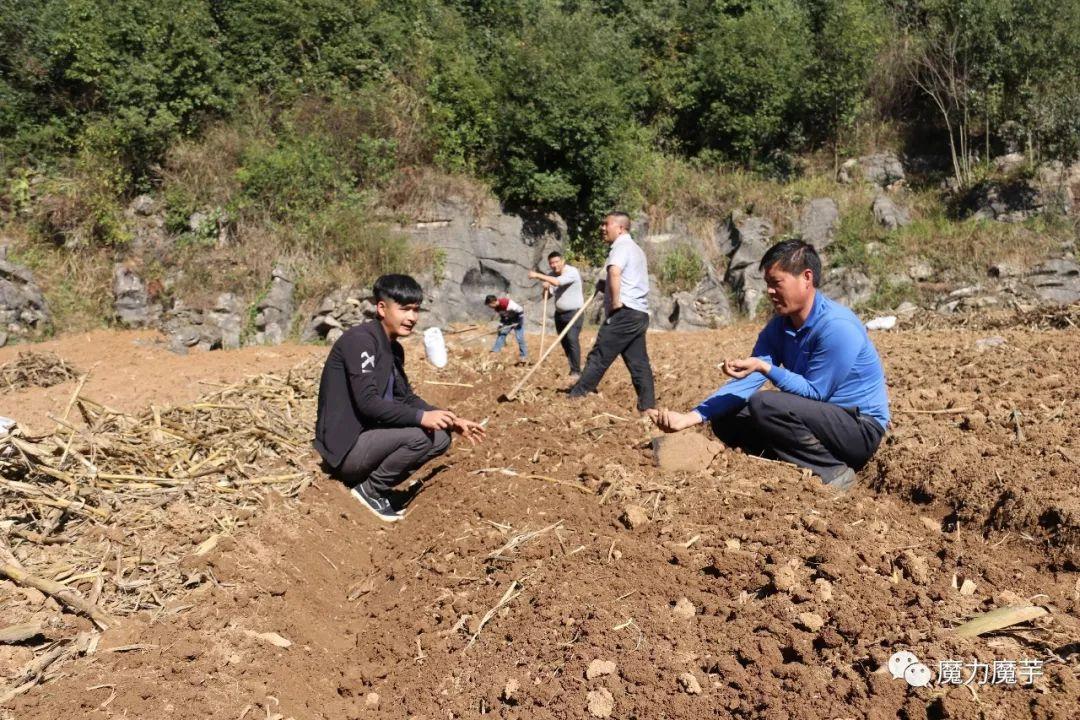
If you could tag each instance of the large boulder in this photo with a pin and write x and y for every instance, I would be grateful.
(706, 307)
(1056, 281)
(882, 169)
(888, 214)
(132, 304)
(818, 222)
(275, 311)
(848, 286)
(23, 311)
(750, 237)
(484, 251)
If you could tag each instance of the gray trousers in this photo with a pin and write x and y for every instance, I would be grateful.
(810, 433)
(386, 457)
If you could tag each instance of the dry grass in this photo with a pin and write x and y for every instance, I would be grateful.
(418, 191)
(77, 283)
(206, 168)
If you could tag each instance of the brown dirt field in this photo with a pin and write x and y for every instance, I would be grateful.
(780, 599)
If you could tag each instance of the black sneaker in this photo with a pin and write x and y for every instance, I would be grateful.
(400, 499)
(377, 504)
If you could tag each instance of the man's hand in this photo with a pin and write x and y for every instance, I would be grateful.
(438, 420)
(533, 275)
(741, 367)
(670, 421)
(471, 431)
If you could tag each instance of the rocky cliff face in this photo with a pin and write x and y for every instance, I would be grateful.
(480, 248)
(483, 250)
(23, 311)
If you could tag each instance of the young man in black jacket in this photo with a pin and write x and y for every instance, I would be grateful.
(372, 429)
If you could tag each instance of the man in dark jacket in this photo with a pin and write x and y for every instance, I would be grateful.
(372, 429)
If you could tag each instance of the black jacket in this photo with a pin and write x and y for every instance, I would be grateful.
(354, 381)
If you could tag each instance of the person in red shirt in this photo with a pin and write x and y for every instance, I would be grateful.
(511, 318)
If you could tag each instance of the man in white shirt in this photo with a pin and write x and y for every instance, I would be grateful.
(626, 303)
(564, 283)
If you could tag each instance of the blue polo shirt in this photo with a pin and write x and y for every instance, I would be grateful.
(830, 358)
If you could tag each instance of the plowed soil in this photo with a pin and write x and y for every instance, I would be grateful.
(741, 589)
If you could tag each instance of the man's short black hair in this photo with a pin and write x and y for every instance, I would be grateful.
(402, 289)
(793, 256)
(554, 254)
(490, 299)
(622, 217)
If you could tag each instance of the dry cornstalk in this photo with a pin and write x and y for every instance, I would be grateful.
(999, 619)
(554, 344)
(21, 632)
(511, 592)
(62, 593)
(521, 539)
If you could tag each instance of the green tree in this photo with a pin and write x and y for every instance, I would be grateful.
(747, 74)
(566, 129)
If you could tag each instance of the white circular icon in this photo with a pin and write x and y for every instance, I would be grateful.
(917, 675)
(900, 661)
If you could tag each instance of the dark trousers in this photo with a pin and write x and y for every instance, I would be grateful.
(812, 434)
(623, 333)
(570, 343)
(386, 457)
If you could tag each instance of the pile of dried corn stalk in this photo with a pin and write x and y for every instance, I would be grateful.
(98, 517)
(33, 369)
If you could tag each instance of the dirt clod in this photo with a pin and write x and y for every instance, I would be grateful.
(915, 567)
(689, 683)
(601, 703)
(685, 452)
(784, 577)
(371, 700)
(634, 517)
(684, 609)
(824, 589)
(811, 621)
(598, 668)
(510, 690)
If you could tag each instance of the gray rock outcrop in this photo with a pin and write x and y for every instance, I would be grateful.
(132, 304)
(888, 214)
(882, 169)
(339, 311)
(848, 286)
(818, 222)
(484, 250)
(1056, 281)
(705, 307)
(275, 311)
(23, 311)
(750, 238)
(216, 328)
(1050, 191)
(227, 316)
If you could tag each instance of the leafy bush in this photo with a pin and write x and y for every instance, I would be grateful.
(291, 178)
(82, 209)
(681, 269)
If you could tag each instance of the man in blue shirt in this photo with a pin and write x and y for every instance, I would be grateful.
(832, 408)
